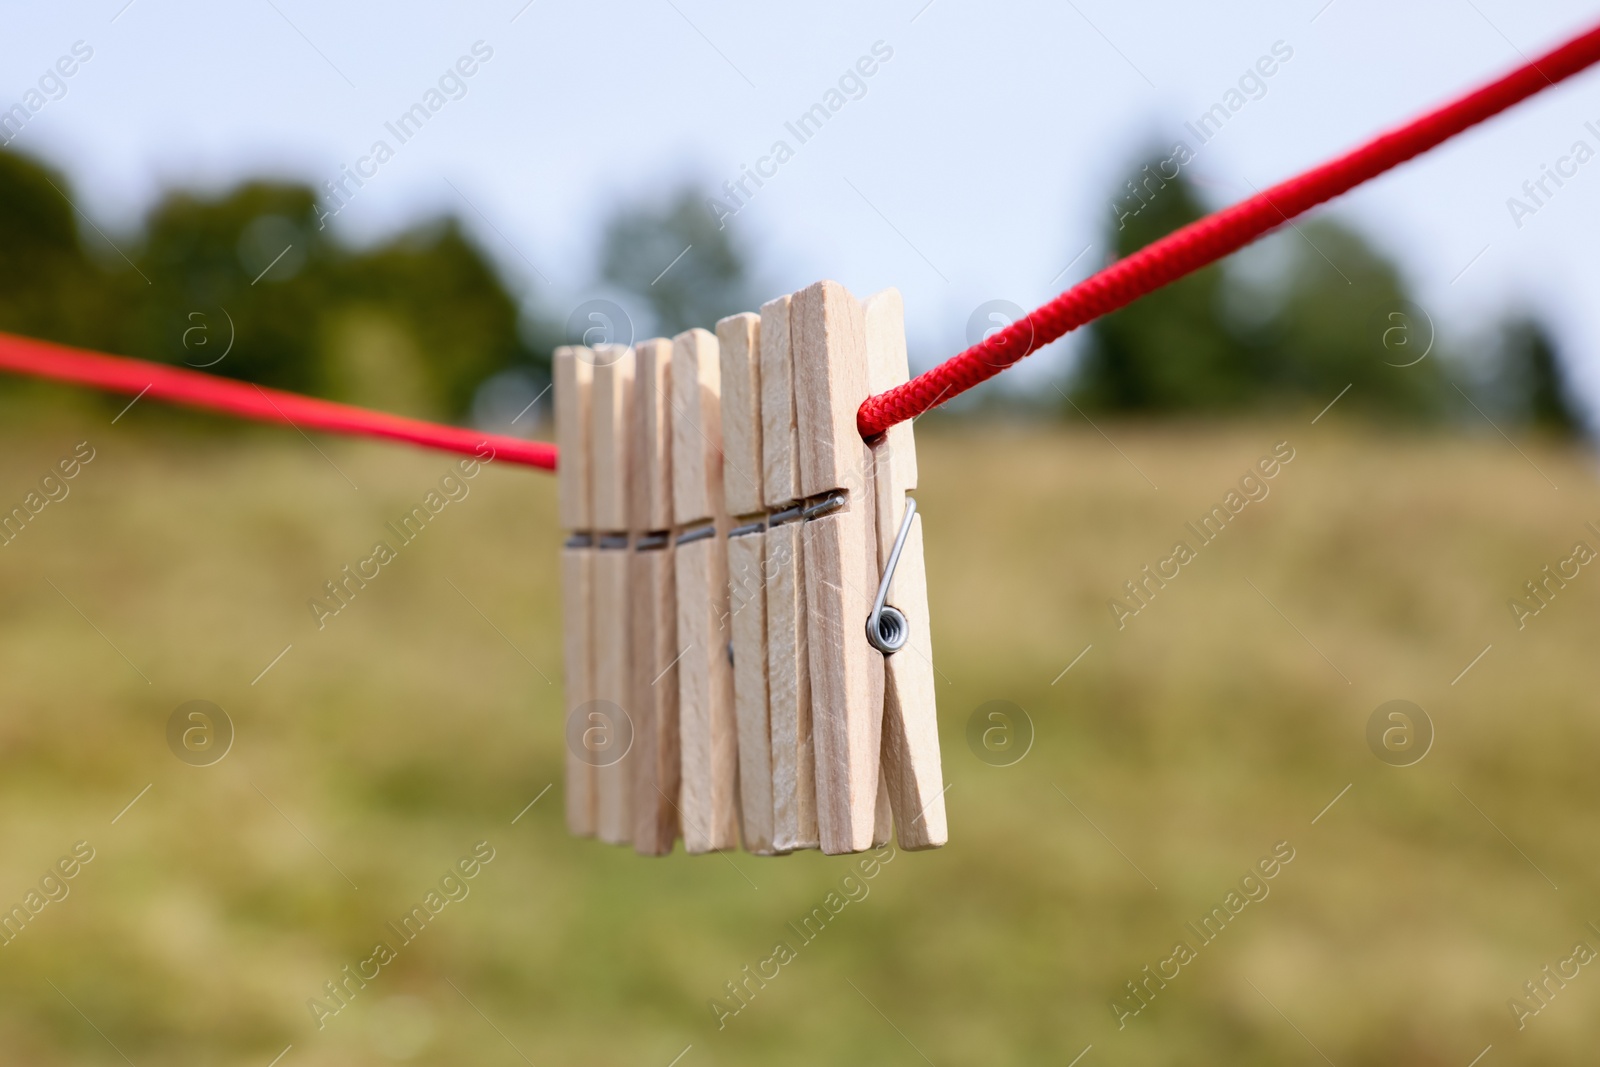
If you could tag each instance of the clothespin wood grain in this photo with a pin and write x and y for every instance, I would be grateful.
(611, 422)
(847, 673)
(739, 339)
(794, 772)
(654, 634)
(911, 765)
(708, 732)
(572, 377)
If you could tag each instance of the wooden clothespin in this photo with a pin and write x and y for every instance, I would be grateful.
(794, 771)
(911, 766)
(739, 338)
(708, 731)
(745, 588)
(572, 375)
(828, 333)
(611, 723)
(654, 634)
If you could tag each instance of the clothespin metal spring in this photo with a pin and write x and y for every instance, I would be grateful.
(887, 628)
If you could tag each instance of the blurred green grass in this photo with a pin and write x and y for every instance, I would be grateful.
(409, 729)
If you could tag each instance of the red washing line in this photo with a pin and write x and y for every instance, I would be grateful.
(1209, 239)
(1180, 253)
(118, 374)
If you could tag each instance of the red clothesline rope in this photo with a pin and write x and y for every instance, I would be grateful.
(1209, 239)
(118, 374)
(1180, 253)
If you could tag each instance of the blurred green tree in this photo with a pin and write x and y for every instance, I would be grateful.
(1331, 312)
(247, 284)
(1529, 382)
(247, 273)
(49, 286)
(673, 255)
(1172, 350)
(436, 285)
(1338, 315)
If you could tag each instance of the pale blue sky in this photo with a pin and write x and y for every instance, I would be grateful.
(974, 167)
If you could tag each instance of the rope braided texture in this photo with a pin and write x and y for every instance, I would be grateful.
(1209, 239)
(119, 374)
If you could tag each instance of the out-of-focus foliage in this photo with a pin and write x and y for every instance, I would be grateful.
(207, 261)
(640, 253)
(1339, 315)
(1172, 350)
(48, 286)
(1323, 310)
(1529, 385)
(248, 284)
(445, 295)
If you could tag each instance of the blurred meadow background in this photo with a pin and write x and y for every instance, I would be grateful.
(1439, 902)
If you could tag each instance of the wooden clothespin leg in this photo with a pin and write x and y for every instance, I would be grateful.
(841, 555)
(739, 339)
(653, 606)
(610, 731)
(911, 766)
(708, 733)
(794, 773)
(572, 373)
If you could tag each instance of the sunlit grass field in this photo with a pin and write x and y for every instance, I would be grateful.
(1171, 758)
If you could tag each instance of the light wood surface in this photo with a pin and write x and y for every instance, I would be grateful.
(780, 434)
(577, 599)
(828, 335)
(794, 769)
(696, 427)
(611, 427)
(846, 680)
(571, 373)
(610, 421)
(883, 814)
(655, 701)
(794, 782)
(827, 332)
(739, 344)
(708, 732)
(707, 727)
(894, 454)
(739, 341)
(651, 474)
(910, 727)
(748, 603)
(911, 762)
(653, 614)
(759, 710)
(611, 717)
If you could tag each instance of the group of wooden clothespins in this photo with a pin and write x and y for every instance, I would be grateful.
(747, 652)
